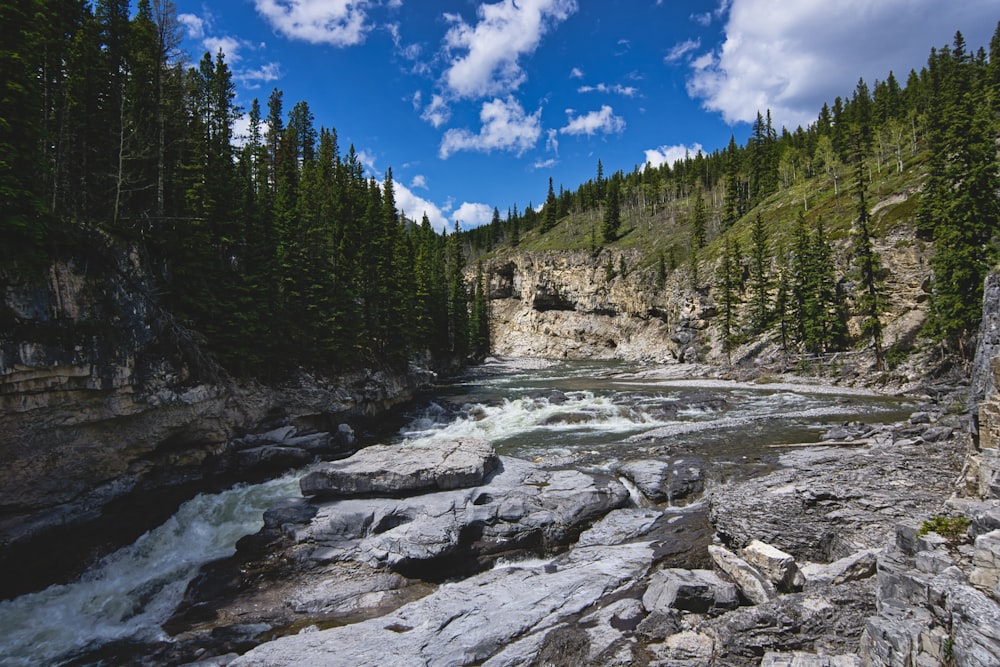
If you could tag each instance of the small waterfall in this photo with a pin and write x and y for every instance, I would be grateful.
(131, 592)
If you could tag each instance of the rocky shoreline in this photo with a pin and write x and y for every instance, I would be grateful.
(455, 556)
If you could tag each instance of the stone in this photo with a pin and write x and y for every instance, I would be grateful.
(393, 470)
(803, 659)
(685, 649)
(468, 621)
(672, 481)
(986, 563)
(937, 433)
(779, 567)
(698, 591)
(861, 565)
(754, 586)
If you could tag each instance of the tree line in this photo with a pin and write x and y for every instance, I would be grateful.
(275, 247)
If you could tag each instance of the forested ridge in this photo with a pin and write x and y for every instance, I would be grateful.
(757, 223)
(275, 248)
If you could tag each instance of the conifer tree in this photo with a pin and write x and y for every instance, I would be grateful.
(760, 284)
(612, 213)
(728, 286)
(550, 216)
(699, 221)
(869, 298)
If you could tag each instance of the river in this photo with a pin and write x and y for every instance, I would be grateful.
(585, 414)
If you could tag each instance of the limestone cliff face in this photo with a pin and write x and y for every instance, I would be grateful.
(109, 411)
(576, 305)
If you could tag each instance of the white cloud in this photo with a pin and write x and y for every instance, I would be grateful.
(419, 181)
(335, 22)
(552, 141)
(437, 112)
(194, 25)
(472, 215)
(604, 121)
(252, 78)
(544, 164)
(506, 126)
(576, 73)
(793, 57)
(414, 207)
(679, 50)
(367, 160)
(627, 91)
(228, 45)
(670, 154)
(507, 30)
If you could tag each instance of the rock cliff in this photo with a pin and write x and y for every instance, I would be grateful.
(110, 415)
(614, 305)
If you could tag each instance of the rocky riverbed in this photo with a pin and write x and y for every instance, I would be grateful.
(450, 554)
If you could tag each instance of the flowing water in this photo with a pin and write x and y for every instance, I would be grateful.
(565, 413)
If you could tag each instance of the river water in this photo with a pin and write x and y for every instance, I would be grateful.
(586, 414)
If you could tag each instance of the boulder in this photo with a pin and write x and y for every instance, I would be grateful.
(671, 481)
(685, 649)
(399, 470)
(803, 659)
(857, 566)
(754, 586)
(779, 567)
(986, 563)
(699, 591)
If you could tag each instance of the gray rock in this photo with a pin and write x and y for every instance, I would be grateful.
(857, 566)
(779, 567)
(685, 649)
(672, 481)
(699, 591)
(469, 621)
(986, 563)
(403, 469)
(751, 583)
(937, 433)
(803, 659)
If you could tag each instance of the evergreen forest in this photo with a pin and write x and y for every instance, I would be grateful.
(275, 247)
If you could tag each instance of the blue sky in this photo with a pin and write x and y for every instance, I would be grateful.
(477, 104)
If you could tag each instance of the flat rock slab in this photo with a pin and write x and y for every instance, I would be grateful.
(469, 621)
(402, 470)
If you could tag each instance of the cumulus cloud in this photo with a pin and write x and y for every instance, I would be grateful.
(627, 91)
(228, 45)
(419, 181)
(506, 126)
(490, 49)
(670, 154)
(437, 112)
(195, 25)
(415, 207)
(335, 22)
(793, 57)
(604, 121)
(576, 73)
(472, 215)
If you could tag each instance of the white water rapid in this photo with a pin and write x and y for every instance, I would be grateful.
(131, 592)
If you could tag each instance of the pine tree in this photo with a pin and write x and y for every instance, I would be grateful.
(698, 222)
(612, 213)
(869, 298)
(549, 219)
(728, 286)
(480, 323)
(760, 284)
